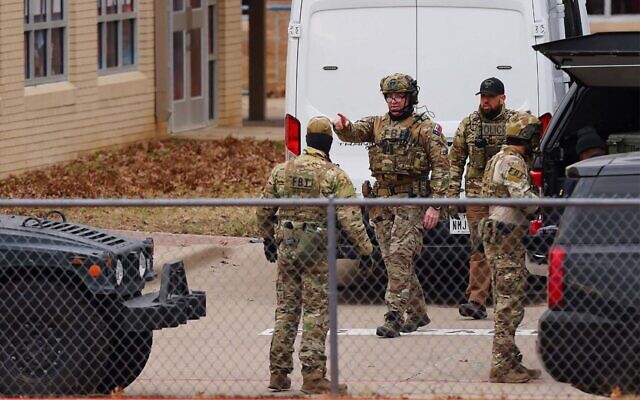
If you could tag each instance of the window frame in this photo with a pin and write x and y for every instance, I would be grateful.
(48, 25)
(120, 17)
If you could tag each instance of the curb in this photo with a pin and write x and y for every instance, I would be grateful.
(191, 249)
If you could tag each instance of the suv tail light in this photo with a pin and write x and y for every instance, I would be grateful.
(292, 134)
(536, 178)
(556, 276)
(544, 120)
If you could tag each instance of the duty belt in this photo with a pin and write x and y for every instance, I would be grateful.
(311, 226)
(394, 179)
(390, 190)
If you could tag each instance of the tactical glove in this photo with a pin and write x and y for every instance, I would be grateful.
(270, 249)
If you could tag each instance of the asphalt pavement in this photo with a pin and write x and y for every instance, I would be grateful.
(226, 353)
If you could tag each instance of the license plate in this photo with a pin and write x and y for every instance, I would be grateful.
(459, 226)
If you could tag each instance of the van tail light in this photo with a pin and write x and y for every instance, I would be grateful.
(544, 120)
(292, 134)
(555, 285)
(535, 225)
(536, 178)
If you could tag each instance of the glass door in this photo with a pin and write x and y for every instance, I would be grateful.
(189, 65)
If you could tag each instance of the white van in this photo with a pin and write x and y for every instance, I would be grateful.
(339, 50)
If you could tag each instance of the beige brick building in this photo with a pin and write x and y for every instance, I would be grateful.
(75, 79)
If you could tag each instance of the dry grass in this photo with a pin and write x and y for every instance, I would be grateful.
(161, 169)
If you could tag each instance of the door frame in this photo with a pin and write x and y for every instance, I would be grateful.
(193, 113)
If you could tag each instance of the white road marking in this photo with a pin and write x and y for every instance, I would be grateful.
(422, 332)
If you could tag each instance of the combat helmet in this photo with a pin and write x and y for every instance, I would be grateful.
(319, 126)
(523, 128)
(400, 83)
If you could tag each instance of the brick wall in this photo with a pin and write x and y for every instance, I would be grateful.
(50, 123)
(230, 59)
(56, 122)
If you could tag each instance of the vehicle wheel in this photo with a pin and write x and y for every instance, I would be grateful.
(130, 354)
(597, 389)
(52, 340)
(443, 280)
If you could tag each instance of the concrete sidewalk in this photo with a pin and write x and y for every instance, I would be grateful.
(272, 128)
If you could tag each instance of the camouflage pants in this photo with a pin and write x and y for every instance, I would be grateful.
(300, 289)
(505, 254)
(399, 234)
(479, 270)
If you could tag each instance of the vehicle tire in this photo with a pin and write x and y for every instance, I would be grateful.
(444, 280)
(52, 340)
(594, 388)
(130, 354)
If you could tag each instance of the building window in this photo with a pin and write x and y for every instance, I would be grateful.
(117, 32)
(45, 41)
(613, 7)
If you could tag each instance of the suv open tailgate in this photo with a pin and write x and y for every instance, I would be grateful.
(602, 59)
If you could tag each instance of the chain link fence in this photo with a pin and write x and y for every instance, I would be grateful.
(86, 311)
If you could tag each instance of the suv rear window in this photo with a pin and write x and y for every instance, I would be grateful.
(614, 114)
(603, 225)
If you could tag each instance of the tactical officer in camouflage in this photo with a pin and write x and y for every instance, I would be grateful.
(507, 176)
(300, 236)
(478, 138)
(404, 148)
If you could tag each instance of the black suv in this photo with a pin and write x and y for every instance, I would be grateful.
(605, 94)
(590, 335)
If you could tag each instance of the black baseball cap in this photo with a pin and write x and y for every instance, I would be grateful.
(492, 86)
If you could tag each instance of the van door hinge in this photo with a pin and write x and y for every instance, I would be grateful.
(539, 29)
(294, 30)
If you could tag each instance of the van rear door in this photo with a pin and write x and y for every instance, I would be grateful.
(345, 47)
(463, 42)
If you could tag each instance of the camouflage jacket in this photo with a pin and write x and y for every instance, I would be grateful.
(311, 175)
(507, 176)
(472, 129)
(423, 133)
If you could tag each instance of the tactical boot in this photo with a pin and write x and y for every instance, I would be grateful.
(392, 325)
(473, 309)
(311, 385)
(533, 373)
(279, 382)
(414, 322)
(512, 376)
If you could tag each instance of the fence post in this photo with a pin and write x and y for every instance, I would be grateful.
(333, 296)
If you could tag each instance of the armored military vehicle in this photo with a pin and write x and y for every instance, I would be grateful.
(73, 319)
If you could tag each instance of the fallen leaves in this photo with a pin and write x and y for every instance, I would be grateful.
(228, 167)
(168, 168)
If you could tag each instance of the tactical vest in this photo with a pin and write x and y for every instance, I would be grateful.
(303, 230)
(491, 188)
(398, 153)
(303, 183)
(486, 139)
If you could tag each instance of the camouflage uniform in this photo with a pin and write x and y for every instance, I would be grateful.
(398, 229)
(506, 176)
(477, 139)
(301, 234)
